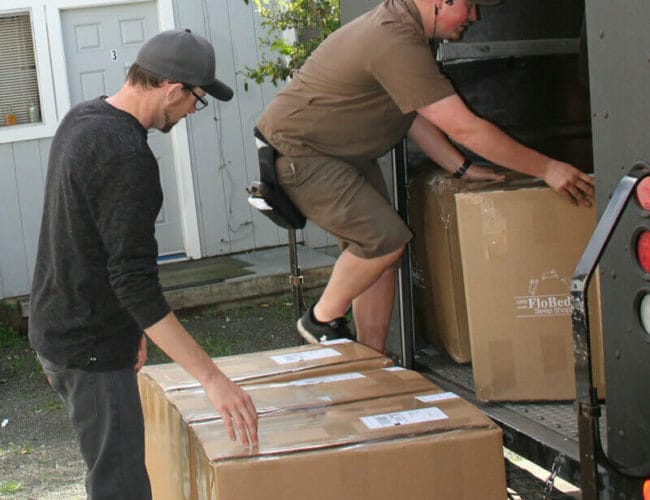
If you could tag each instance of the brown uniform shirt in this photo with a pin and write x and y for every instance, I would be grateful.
(357, 94)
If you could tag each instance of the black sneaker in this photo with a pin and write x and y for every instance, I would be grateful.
(314, 331)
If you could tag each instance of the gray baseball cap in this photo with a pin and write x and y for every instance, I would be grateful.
(181, 56)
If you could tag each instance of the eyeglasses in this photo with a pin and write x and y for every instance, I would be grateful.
(200, 103)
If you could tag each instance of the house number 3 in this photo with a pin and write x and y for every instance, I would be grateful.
(113, 55)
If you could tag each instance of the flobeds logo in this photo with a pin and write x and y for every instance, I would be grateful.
(547, 296)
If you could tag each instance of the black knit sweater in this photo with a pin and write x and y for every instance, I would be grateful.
(95, 285)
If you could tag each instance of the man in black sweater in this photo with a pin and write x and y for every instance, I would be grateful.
(95, 287)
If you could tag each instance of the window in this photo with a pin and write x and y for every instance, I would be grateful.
(19, 94)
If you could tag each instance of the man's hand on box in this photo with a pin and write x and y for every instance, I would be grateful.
(235, 407)
(576, 186)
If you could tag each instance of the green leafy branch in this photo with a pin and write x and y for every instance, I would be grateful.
(311, 20)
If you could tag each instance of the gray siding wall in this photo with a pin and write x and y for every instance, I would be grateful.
(222, 151)
(23, 166)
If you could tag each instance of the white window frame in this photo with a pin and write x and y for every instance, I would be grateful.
(49, 118)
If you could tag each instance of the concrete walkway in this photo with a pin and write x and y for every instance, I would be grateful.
(268, 276)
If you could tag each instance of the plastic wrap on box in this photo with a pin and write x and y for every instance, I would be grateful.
(171, 397)
(275, 365)
(430, 444)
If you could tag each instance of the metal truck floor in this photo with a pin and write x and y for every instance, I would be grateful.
(545, 432)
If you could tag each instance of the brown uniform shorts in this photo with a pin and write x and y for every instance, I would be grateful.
(350, 200)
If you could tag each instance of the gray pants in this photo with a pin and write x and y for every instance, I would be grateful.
(106, 413)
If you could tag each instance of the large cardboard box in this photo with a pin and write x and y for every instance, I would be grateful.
(164, 436)
(438, 291)
(168, 417)
(479, 248)
(193, 405)
(272, 366)
(519, 246)
(430, 445)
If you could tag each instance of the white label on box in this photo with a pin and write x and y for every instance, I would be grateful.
(403, 418)
(394, 369)
(330, 378)
(443, 396)
(535, 306)
(335, 341)
(297, 357)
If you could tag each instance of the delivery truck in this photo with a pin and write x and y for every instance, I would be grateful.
(536, 311)
(571, 79)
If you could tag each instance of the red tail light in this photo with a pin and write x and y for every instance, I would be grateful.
(646, 490)
(643, 193)
(643, 250)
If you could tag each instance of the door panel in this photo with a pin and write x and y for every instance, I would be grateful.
(100, 45)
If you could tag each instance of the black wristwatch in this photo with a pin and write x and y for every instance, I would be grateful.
(462, 170)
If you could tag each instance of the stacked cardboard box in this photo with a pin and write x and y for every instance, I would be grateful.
(439, 297)
(430, 445)
(272, 366)
(496, 262)
(166, 439)
(351, 432)
(190, 407)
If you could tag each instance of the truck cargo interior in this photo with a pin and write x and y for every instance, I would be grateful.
(523, 68)
(484, 319)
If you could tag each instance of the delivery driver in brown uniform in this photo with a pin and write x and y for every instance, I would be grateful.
(366, 86)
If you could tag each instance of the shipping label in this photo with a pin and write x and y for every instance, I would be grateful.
(297, 357)
(403, 418)
(329, 379)
(443, 396)
(336, 341)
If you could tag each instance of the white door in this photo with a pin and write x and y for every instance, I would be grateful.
(100, 45)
